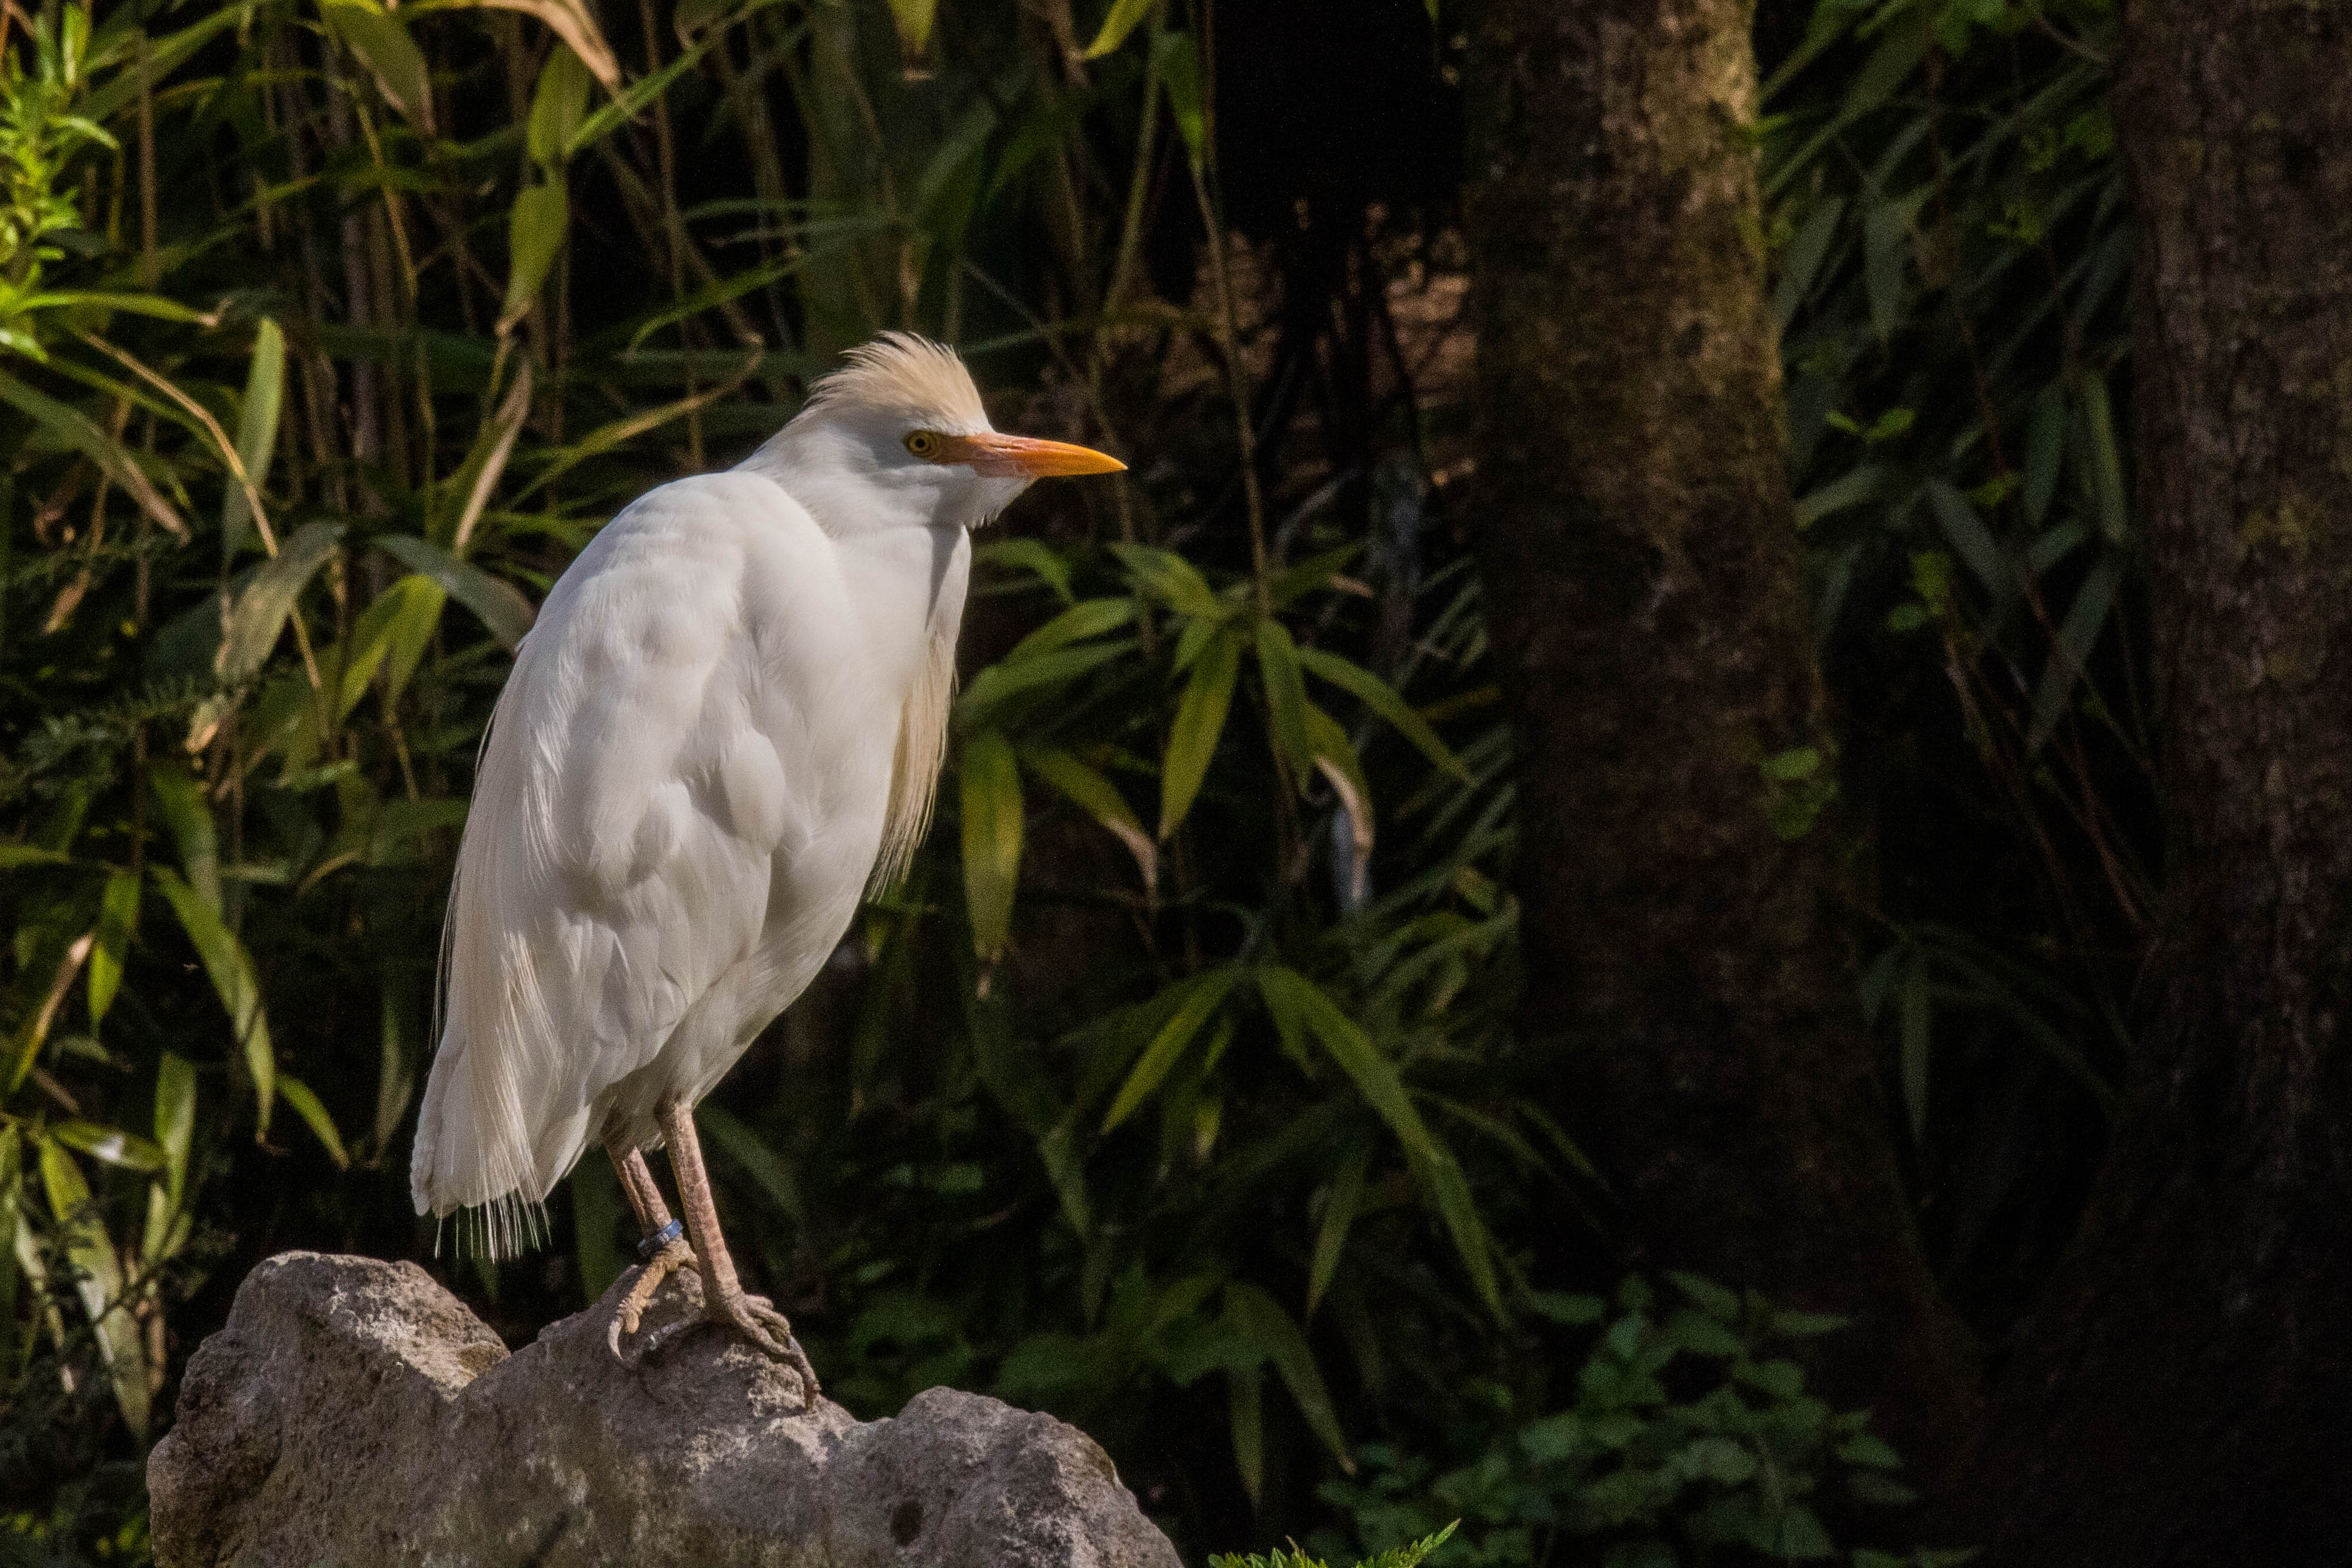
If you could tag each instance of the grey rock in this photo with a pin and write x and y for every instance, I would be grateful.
(354, 1413)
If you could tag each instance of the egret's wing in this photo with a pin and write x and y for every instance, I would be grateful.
(618, 855)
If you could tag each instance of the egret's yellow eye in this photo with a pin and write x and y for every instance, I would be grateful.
(924, 444)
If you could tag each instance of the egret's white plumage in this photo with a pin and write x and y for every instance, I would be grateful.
(724, 726)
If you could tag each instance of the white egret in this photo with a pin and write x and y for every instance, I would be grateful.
(722, 731)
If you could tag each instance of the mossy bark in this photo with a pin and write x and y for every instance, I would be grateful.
(2185, 1396)
(1686, 975)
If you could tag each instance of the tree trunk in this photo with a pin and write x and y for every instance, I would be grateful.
(2186, 1394)
(1686, 973)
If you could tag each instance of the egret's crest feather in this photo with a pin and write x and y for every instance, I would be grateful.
(900, 373)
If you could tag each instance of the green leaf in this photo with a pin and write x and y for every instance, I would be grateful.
(231, 970)
(1384, 700)
(1286, 699)
(914, 18)
(188, 812)
(259, 614)
(1245, 1416)
(314, 1115)
(175, 1119)
(2045, 451)
(1200, 720)
(1090, 618)
(1338, 1217)
(1180, 73)
(1168, 578)
(1336, 759)
(256, 431)
(596, 1209)
(759, 1162)
(1716, 1300)
(1298, 1004)
(1259, 1319)
(1000, 682)
(1121, 21)
(117, 917)
(110, 1145)
(497, 603)
(2078, 635)
(98, 1281)
(1202, 996)
(2105, 461)
(991, 837)
(559, 105)
(1970, 539)
(381, 41)
(1098, 798)
(1032, 554)
(535, 231)
(70, 427)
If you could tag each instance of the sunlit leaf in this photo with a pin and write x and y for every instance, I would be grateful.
(188, 812)
(1202, 997)
(1099, 798)
(991, 837)
(72, 427)
(257, 430)
(314, 1115)
(1384, 700)
(535, 233)
(1122, 19)
(558, 106)
(1180, 73)
(110, 1145)
(1285, 698)
(117, 917)
(175, 1119)
(1200, 720)
(575, 24)
(496, 602)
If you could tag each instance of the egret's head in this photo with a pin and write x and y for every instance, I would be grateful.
(897, 435)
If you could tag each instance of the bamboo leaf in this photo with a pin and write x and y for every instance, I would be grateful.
(1299, 1005)
(1347, 1194)
(2078, 635)
(257, 430)
(259, 615)
(1200, 720)
(1970, 539)
(999, 683)
(991, 837)
(1179, 74)
(117, 918)
(759, 1162)
(380, 41)
(98, 1281)
(1259, 1319)
(70, 427)
(188, 812)
(559, 105)
(1245, 1415)
(1121, 21)
(914, 18)
(1202, 996)
(535, 231)
(231, 970)
(35, 1030)
(1286, 699)
(2104, 461)
(110, 1145)
(1384, 700)
(175, 1120)
(1166, 577)
(1099, 798)
(313, 1113)
(1090, 618)
(496, 602)
(575, 24)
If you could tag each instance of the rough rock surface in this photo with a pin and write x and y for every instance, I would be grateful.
(353, 1412)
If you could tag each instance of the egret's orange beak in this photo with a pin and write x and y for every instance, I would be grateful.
(1022, 457)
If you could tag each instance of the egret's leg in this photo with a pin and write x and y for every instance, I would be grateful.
(723, 1301)
(662, 1249)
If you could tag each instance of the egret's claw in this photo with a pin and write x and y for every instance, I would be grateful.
(675, 1257)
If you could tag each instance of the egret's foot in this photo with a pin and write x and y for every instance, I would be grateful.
(675, 1257)
(757, 1320)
